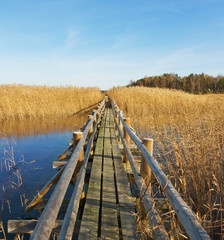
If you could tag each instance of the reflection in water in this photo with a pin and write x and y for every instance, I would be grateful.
(38, 143)
(40, 126)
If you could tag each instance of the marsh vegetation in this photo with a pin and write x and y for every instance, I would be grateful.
(41, 102)
(188, 131)
(35, 122)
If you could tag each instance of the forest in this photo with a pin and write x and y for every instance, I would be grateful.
(194, 83)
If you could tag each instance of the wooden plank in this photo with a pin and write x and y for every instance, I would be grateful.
(89, 225)
(122, 181)
(109, 224)
(57, 164)
(43, 202)
(27, 226)
(126, 206)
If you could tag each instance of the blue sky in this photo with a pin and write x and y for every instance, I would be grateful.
(107, 43)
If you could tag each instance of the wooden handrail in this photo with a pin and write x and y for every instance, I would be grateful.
(158, 229)
(49, 215)
(68, 225)
(185, 215)
(54, 179)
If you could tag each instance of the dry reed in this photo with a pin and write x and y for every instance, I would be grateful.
(10, 181)
(22, 102)
(188, 131)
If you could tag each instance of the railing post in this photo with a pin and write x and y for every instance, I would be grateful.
(91, 128)
(99, 121)
(120, 125)
(76, 137)
(116, 117)
(95, 117)
(145, 170)
(127, 137)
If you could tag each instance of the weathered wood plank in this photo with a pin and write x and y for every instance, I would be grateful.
(109, 224)
(89, 226)
(43, 202)
(57, 164)
(124, 193)
(126, 206)
(27, 226)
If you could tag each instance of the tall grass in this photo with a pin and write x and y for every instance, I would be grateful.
(22, 102)
(189, 143)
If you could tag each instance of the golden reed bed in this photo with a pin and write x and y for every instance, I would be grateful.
(35, 102)
(188, 131)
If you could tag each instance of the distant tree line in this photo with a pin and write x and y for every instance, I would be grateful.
(194, 83)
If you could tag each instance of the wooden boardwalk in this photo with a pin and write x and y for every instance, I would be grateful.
(104, 208)
(109, 211)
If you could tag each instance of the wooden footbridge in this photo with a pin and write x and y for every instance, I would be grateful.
(111, 191)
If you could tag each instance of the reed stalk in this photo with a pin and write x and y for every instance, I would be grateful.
(188, 131)
(41, 102)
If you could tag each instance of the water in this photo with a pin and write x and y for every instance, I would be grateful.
(34, 146)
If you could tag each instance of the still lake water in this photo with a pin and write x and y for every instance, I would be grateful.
(34, 146)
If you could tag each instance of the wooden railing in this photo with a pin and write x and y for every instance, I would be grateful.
(48, 217)
(185, 215)
(76, 167)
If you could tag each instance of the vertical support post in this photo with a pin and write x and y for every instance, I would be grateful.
(90, 130)
(94, 110)
(127, 137)
(116, 117)
(76, 137)
(145, 170)
(98, 124)
(94, 122)
(120, 125)
(91, 127)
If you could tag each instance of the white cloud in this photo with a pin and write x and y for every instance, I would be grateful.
(71, 40)
(103, 71)
(106, 71)
(195, 59)
(177, 58)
